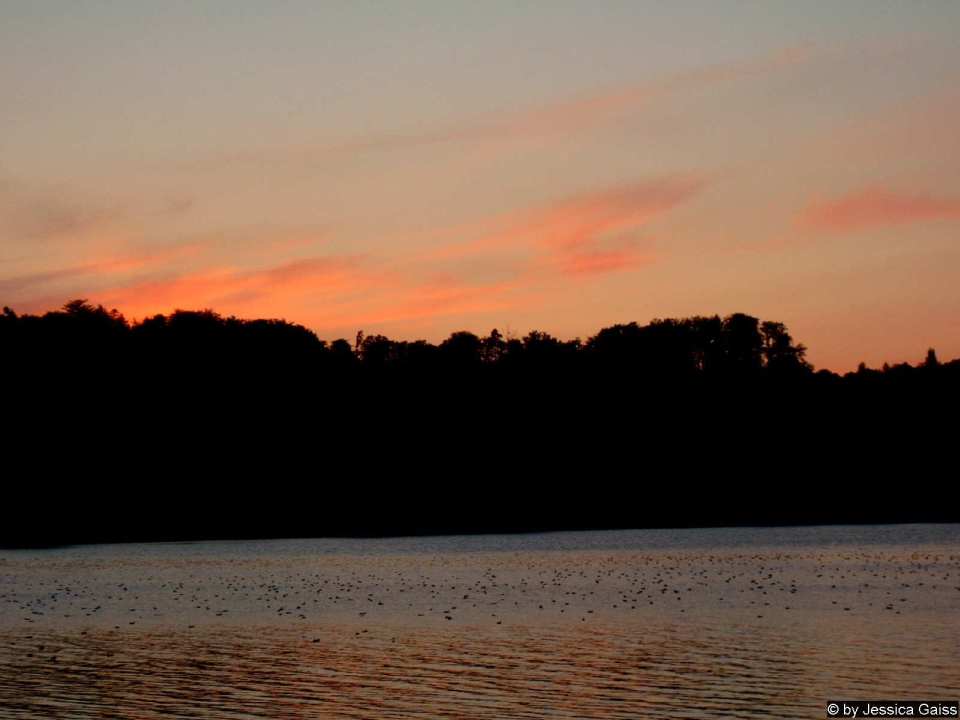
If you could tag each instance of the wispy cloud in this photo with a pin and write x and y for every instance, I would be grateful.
(877, 207)
(587, 111)
(235, 290)
(326, 293)
(575, 239)
(425, 300)
(94, 271)
(585, 235)
(40, 217)
(580, 112)
(602, 262)
(43, 214)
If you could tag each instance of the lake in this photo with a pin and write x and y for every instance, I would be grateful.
(710, 623)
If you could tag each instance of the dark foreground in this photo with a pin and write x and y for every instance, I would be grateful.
(196, 426)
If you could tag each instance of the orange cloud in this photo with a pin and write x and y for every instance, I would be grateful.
(600, 262)
(233, 290)
(110, 265)
(583, 235)
(579, 237)
(326, 293)
(877, 207)
(439, 297)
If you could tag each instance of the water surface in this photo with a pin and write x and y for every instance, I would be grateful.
(660, 623)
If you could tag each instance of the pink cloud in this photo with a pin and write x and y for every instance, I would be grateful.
(324, 292)
(877, 207)
(601, 262)
(439, 297)
(108, 266)
(577, 238)
(583, 235)
(232, 290)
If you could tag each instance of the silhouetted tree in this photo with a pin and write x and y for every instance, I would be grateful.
(462, 350)
(706, 339)
(780, 355)
(743, 343)
(374, 350)
(492, 347)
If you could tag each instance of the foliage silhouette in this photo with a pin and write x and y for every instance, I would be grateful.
(197, 425)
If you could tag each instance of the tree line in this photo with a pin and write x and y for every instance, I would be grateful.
(81, 337)
(193, 424)
(736, 344)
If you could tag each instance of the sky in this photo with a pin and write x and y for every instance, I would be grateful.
(419, 167)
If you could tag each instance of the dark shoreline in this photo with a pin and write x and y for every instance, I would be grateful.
(945, 518)
(195, 426)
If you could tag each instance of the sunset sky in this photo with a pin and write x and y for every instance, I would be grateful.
(417, 167)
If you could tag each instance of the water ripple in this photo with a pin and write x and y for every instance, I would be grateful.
(694, 670)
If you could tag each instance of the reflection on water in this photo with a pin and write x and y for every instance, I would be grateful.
(686, 670)
(693, 624)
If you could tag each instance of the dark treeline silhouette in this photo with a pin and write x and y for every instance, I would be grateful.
(197, 425)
